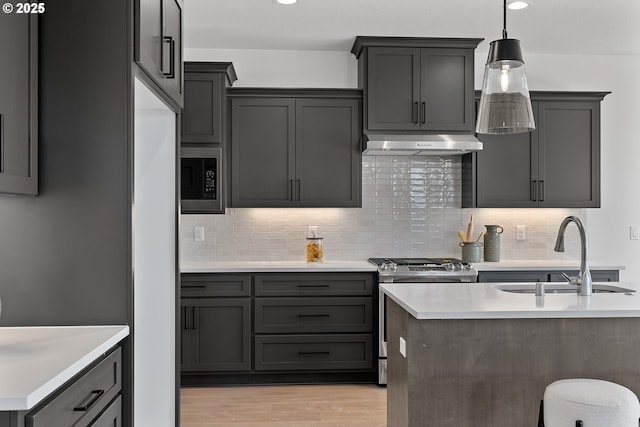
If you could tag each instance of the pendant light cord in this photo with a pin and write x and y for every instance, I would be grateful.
(504, 23)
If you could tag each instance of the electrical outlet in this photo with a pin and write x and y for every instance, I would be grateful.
(312, 231)
(520, 232)
(403, 347)
(198, 234)
(634, 232)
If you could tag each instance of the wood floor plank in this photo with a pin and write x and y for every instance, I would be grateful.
(284, 406)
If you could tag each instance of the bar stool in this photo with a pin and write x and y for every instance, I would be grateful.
(583, 402)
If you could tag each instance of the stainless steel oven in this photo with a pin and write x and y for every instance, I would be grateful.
(413, 270)
(201, 189)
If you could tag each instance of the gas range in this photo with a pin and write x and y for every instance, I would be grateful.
(424, 270)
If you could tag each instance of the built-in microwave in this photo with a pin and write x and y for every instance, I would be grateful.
(201, 189)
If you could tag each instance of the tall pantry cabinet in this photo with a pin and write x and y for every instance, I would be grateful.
(68, 256)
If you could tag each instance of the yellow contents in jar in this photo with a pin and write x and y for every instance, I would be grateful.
(314, 252)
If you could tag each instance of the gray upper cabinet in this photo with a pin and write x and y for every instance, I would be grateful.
(158, 47)
(295, 148)
(204, 113)
(416, 84)
(556, 165)
(569, 154)
(19, 104)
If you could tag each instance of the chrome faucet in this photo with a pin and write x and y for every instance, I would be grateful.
(583, 281)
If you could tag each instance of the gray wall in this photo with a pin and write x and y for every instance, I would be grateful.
(65, 255)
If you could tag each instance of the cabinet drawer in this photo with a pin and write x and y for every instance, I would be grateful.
(83, 399)
(305, 315)
(306, 352)
(320, 284)
(513, 276)
(111, 417)
(214, 285)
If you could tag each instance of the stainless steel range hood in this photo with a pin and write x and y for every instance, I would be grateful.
(419, 145)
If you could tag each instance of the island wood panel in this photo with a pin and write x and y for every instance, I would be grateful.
(493, 372)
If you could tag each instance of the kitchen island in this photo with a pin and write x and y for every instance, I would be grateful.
(475, 355)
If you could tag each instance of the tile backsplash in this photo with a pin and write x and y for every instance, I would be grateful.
(410, 207)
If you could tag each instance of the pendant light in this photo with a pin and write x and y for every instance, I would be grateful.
(505, 106)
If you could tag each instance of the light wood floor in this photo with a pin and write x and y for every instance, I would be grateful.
(284, 406)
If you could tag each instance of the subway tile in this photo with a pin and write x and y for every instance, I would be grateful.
(411, 207)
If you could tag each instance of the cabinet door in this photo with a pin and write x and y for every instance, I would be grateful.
(507, 169)
(393, 88)
(221, 334)
(569, 154)
(172, 48)
(446, 90)
(18, 105)
(203, 108)
(262, 152)
(328, 160)
(149, 36)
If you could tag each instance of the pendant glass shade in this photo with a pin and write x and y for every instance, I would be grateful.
(505, 106)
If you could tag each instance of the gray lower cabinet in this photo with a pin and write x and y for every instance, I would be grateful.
(111, 417)
(544, 276)
(313, 352)
(91, 398)
(313, 321)
(294, 327)
(19, 104)
(295, 148)
(556, 165)
(324, 315)
(216, 323)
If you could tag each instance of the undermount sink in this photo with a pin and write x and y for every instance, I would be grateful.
(559, 288)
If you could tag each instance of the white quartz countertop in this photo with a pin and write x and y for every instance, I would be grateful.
(276, 266)
(35, 361)
(486, 301)
(360, 265)
(520, 265)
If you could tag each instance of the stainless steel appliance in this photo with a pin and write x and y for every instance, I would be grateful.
(419, 145)
(201, 180)
(414, 270)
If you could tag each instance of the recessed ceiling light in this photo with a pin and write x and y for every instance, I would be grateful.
(517, 4)
(285, 1)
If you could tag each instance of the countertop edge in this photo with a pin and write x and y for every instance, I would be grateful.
(364, 266)
(280, 267)
(38, 395)
(473, 305)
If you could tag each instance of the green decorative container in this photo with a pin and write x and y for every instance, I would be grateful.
(492, 243)
(471, 251)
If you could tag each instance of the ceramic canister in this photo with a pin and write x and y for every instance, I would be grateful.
(471, 251)
(492, 243)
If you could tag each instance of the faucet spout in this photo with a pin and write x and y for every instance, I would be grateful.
(583, 281)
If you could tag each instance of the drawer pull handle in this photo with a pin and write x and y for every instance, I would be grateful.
(314, 315)
(314, 286)
(193, 286)
(314, 353)
(89, 401)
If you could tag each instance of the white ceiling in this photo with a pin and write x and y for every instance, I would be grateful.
(547, 26)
